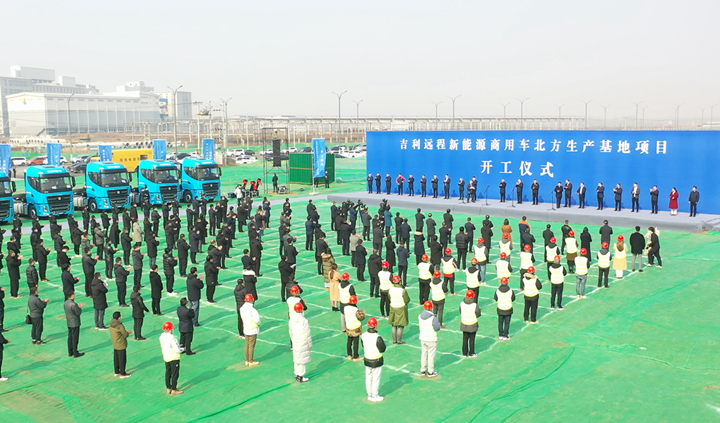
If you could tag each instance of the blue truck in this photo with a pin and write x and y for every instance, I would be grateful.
(48, 190)
(107, 185)
(7, 188)
(161, 179)
(200, 178)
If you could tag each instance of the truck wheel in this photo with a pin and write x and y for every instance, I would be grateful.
(32, 212)
(92, 205)
(187, 197)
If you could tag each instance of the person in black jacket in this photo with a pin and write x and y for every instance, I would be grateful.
(137, 258)
(186, 315)
(286, 272)
(68, 281)
(240, 293)
(194, 287)
(156, 288)
(31, 274)
(519, 187)
(568, 193)
(618, 197)
(360, 261)
(502, 186)
(109, 259)
(126, 242)
(121, 275)
(694, 199)
(41, 254)
(88, 264)
(138, 313)
(13, 263)
(461, 243)
(169, 263)
(374, 264)
(211, 276)
(600, 190)
(256, 247)
(152, 250)
(183, 249)
(99, 295)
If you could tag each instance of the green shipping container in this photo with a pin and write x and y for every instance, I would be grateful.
(301, 165)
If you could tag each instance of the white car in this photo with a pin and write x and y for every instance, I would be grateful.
(351, 154)
(63, 160)
(19, 161)
(290, 150)
(235, 153)
(245, 159)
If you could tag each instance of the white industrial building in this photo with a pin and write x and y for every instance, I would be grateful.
(167, 105)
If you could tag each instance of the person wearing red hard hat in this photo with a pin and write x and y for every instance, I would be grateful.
(551, 250)
(449, 267)
(556, 272)
(503, 267)
(531, 287)
(472, 277)
(469, 313)
(505, 242)
(527, 260)
(398, 316)
(604, 257)
(384, 281)
(374, 347)
(353, 323)
(424, 277)
(251, 328)
(429, 327)
(347, 290)
(171, 351)
(504, 296)
(301, 340)
(572, 250)
(294, 299)
(620, 260)
(438, 289)
(581, 266)
(481, 252)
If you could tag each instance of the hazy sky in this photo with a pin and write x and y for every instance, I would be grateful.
(287, 57)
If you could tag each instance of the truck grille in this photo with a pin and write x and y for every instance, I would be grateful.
(169, 192)
(4, 209)
(211, 189)
(118, 197)
(60, 203)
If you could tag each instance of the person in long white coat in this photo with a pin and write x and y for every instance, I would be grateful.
(301, 342)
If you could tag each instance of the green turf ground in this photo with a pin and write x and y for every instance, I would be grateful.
(643, 350)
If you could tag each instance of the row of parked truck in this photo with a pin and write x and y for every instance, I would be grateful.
(50, 190)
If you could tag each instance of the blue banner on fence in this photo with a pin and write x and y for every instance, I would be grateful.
(208, 149)
(319, 157)
(668, 159)
(5, 158)
(105, 152)
(160, 149)
(53, 153)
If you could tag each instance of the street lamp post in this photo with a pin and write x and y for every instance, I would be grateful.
(175, 116)
(68, 114)
(339, 96)
(504, 114)
(677, 114)
(437, 122)
(224, 111)
(643, 116)
(586, 107)
(357, 111)
(452, 125)
(605, 116)
(559, 115)
(522, 104)
(637, 105)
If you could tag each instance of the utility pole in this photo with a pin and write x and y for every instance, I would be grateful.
(437, 122)
(357, 113)
(677, 114)
(605, 116)
(522, 119)
(637, 105)
(339, 96)
(504, 114)
(452, 125)
(197, 114)
(68, 114)
(224, 111)
(586, 107)
(643, 116)
(210, 125)
(559, 114)
(175, 109)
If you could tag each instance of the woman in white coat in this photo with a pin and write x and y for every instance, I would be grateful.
(301, 342)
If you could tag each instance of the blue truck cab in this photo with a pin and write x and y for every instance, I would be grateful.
(107, 185)
(200, 178)
(48, 190)
(161, 179)
(7, 188)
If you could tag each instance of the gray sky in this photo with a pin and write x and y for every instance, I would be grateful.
(287, 57)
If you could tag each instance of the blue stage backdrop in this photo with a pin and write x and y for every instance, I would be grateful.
(667, 159)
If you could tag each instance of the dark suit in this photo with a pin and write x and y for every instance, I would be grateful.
(600, 197)
(618, 199)
(138, 313)
(581, 196)
(535, 192)
(568, 194)
(502, 191)
(185, 315)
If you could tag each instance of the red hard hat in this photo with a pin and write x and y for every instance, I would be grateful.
(385, 265)
(621, 238)
(506, 235)
(437, 274)
(531, 269)
(481, 241)
(583, 251)
(346, 276)
(553, 240)
(428, 305)
(605, 245)
(528, 247)
(249, 298)
(295, 290)
(396, 278)
(504, 281)
(353, 299)
(425, 257)
(372, 322)
(558, 258)
(299, 308)
(448, 251)
(571, 233)
(474, 261)
(168, 326)
(470, 294)
(503, 255)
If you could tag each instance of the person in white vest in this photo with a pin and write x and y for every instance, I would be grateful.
(527, 260)
(171, 351)
(604, 256)
(505, 244)
(557, 280)
(424, 277)
(398, 317)
(504, 297)
(374, 347)
(481, 255)
(449, 267)
(251, 328)
(503, 267)
(581, 268)
(429, 327)
(620, 260)
(531, 288)
(353, 321)
(301, 341)
(472, 275)
(469, 313)
(384, 276)
(347, 290)
(438, 289)
(551, 250)
(571, 246)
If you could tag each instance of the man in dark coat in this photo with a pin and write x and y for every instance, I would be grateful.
(156, 288)
(99, 296)
(169, 263)
(183, 249)
(360, 261)
(73, 311)
(211, 276)
(138, 312)
(121, 275)
(186, 327)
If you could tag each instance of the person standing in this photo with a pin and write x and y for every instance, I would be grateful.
(434, 181)
(449, 267)
(572, 250)
(446, 186)
(398, 316)
(378, 180)
(519, 187)
(424, 276)
(469, 313)
(694, 199)
(251, 328)
(121, 275)
(403, 255)
(535, 192)
(502, 186)
(423, 186)
(635, 192)
(411, 185)
(581, 270)
(374, 347)
(360, 261)
(604, 256)
(557, 279)
(558, 194)
(531, 289)
(637, 248)
(618, 197)
(72, 315)
(171, 351)
(481, 255)
(156, 288)
(400, 180)
(185, 324)
(504, 296)
(370, 183)
(568, 193)
(581, 195)
(600, 190)
(3, 341)
(654, 248)
(438, 290)
(169, 262)
(36, 306)
(388, 184)
(301, 339)
(654, 194)
(429, 327)
(605, 232)
(674, 195)
(620, 260)
(119, 337)
(461, 190)
(137, 258)
(138, 312)
(99, 296)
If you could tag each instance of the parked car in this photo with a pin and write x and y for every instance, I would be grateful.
(235, 153)
(283, 156)
(338, 149)
(79, 159)
(290, 150)
(249, 152)
(245, 159)
(78, 167)
(19, 161)
(350, 154)
(39, 160)
(63, 160)
(177, 157)
(306, 150)
(359, 147)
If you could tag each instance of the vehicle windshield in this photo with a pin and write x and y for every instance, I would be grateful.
(119, 179)
(5, 186)
(163, 176)
(56, 183)
(208, 173)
